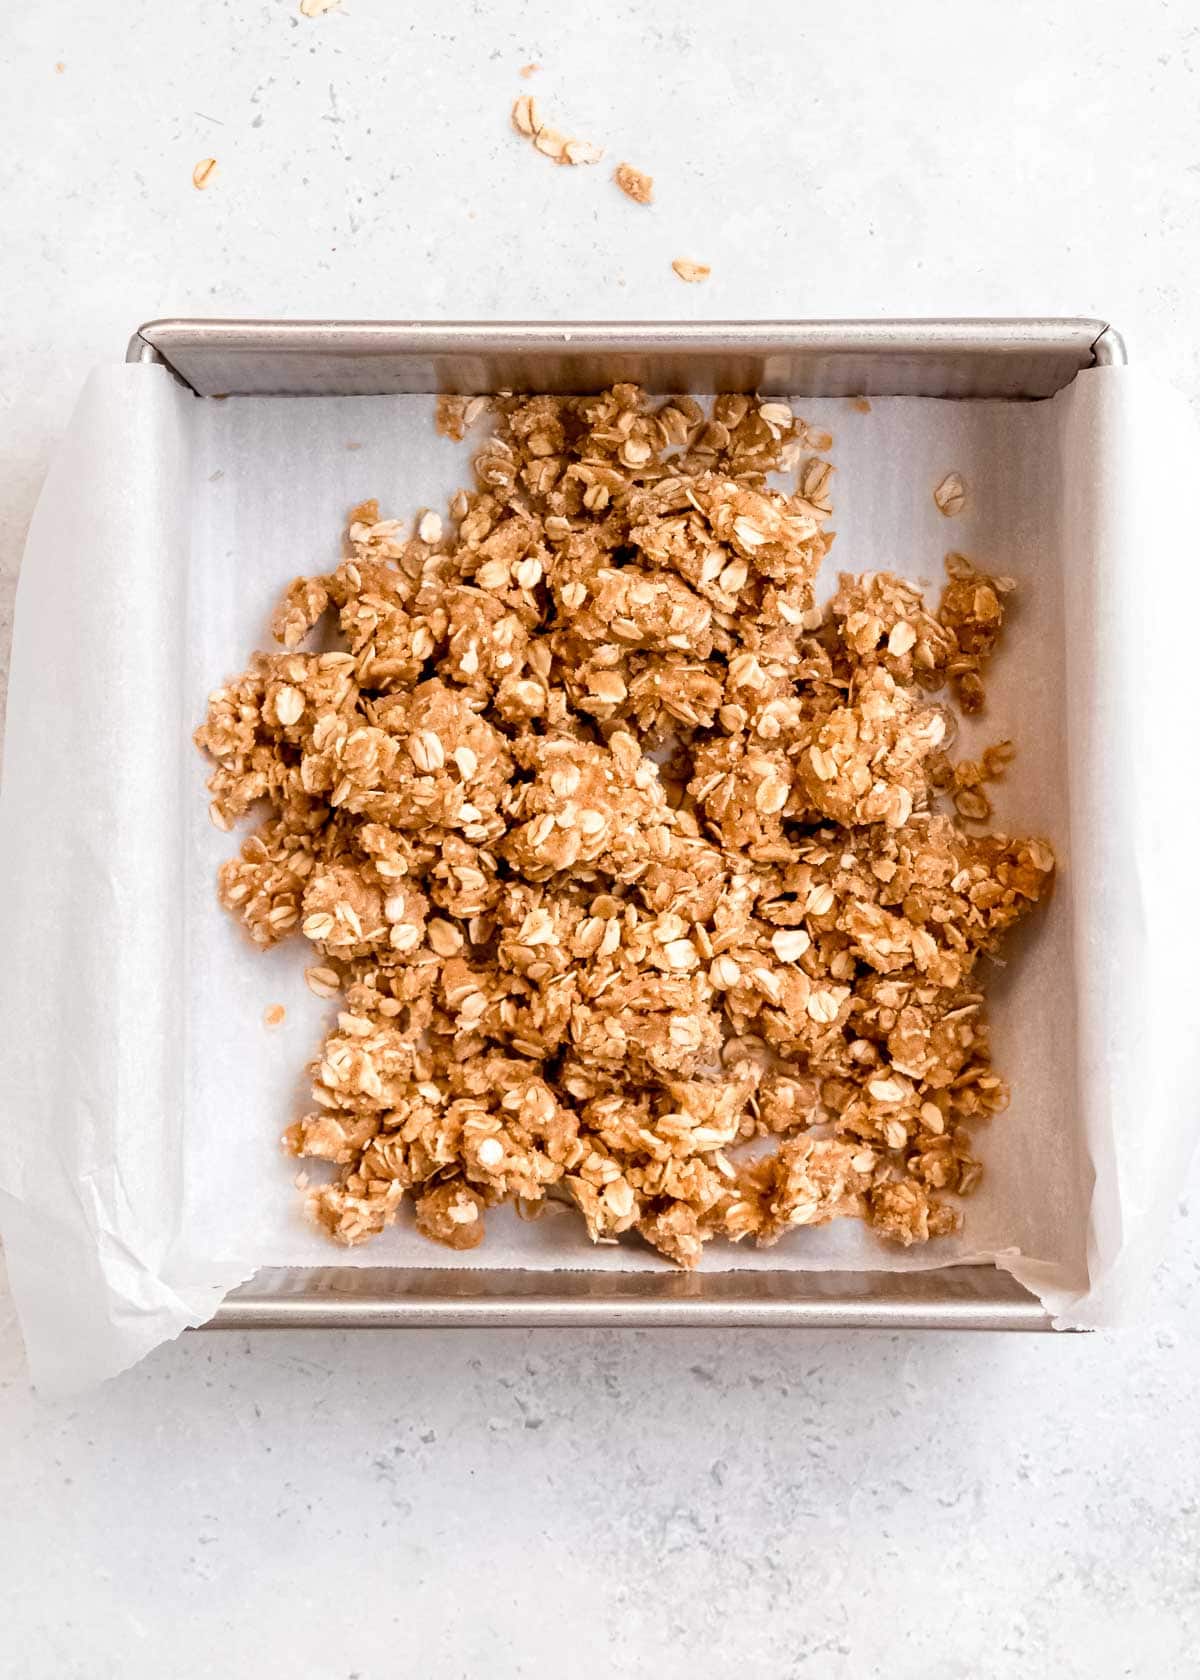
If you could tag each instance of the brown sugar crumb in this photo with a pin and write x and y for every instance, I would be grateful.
(635, 185)
(692, 272)
(622, 861)
(274, 1015)
(559, 148)
(456, 415)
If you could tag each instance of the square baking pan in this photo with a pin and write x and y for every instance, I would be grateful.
(1015, 359)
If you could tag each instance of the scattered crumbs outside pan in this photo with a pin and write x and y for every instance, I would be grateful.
(862, 405)
(528, 70)
(622, 853)
(635, 185)
(203, 173)
(951, 495)
(317, 8)
(274, 1015)
(692, 272)
(559, 148)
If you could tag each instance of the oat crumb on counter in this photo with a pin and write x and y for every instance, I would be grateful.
(635, 185)
(559, 148)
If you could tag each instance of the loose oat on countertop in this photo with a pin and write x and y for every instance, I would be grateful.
(619, 854)
(635, 185)
(204, 173)
(559, 148)
(692, 272)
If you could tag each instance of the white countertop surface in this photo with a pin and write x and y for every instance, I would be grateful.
(837, 1506)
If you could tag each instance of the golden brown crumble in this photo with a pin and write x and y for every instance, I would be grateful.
(635, 185)
(619, 854)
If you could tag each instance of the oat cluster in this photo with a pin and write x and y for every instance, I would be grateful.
(635, 873)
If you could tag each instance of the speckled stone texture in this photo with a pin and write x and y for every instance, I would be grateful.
(450, 1505)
